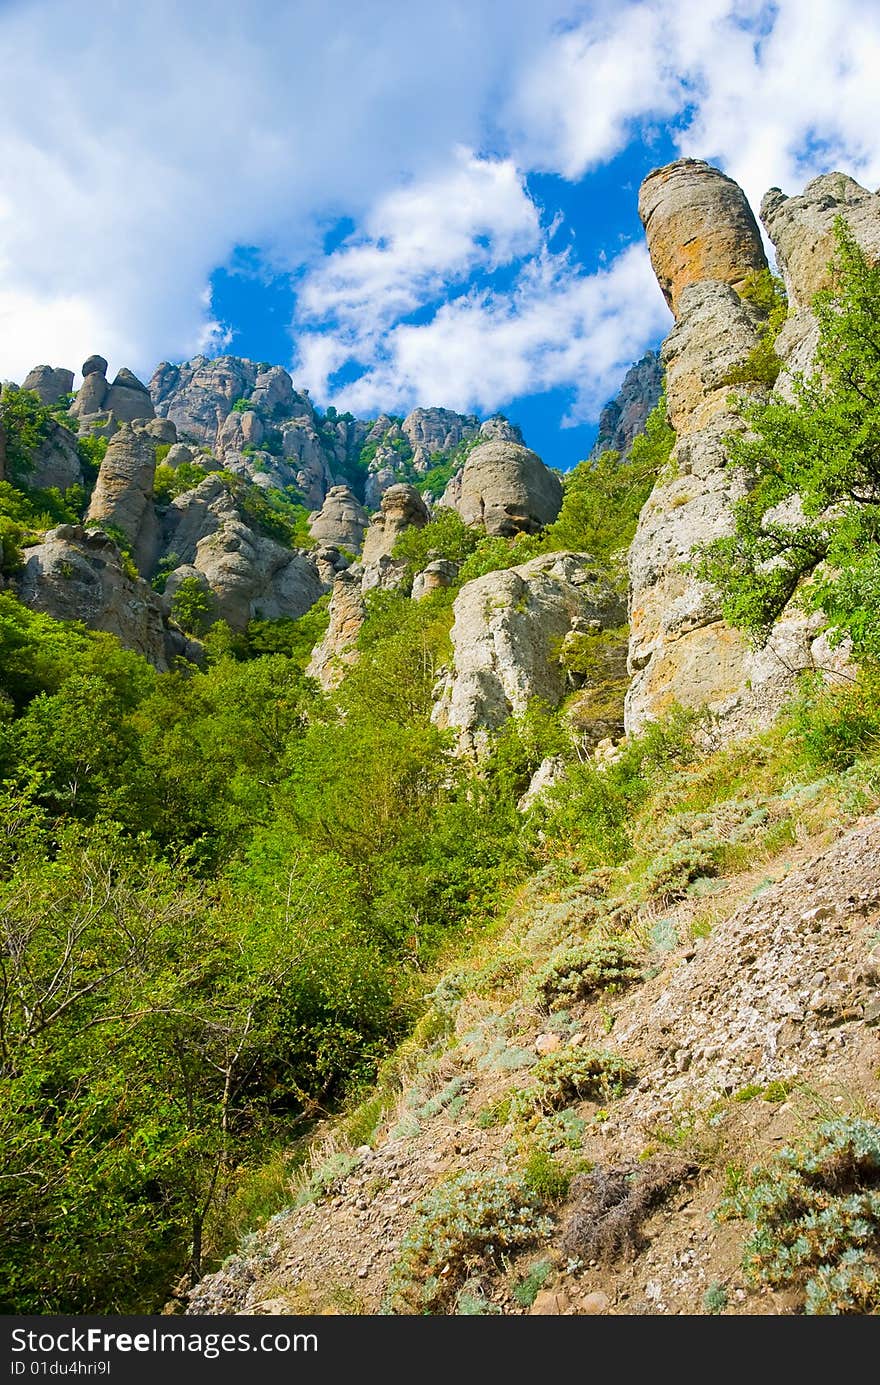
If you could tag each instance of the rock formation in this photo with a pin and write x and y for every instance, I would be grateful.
(402, 508)
(704, 242)
(506, 638)
(78, 574)
(338, 649)
(699, 227)
(250, 576)
(48, 383)
(506, 489)
(802, 231)
(126, 400)
(56, 461)
(123, 494)
(624, 416)
(342, 521)
(436, 430)
(439, 574)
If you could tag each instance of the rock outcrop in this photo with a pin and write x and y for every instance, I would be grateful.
(338, 649)
(436, 430)
(699, 227)
(126, 400)
(48, 383)
(56, 461)
(123, 494)
(704, 243)
(402, 508)
(507, 635)
(439, 574)
(250, 576)
(624, 416)
(342, 520)
(78, 574)
(802, 231)
(506, 489)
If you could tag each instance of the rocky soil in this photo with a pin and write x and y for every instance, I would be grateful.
(740, 1041)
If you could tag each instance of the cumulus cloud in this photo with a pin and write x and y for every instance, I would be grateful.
(556, 327)
(140, 146)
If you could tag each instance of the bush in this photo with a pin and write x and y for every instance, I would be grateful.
(611, 1205)
(570, 1074)
(816, 1215)
(575, 972)
(474, 1216)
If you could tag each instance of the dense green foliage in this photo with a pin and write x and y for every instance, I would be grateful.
(810, 523)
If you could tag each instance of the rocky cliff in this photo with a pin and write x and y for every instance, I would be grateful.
(704, 244)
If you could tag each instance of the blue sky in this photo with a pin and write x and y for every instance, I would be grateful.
(402, 204)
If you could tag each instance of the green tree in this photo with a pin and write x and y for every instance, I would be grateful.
(812, 465)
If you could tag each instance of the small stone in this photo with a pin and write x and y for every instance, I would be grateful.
(547, 1043)
(551, 1302)
(872, 1012)
(595, 1303)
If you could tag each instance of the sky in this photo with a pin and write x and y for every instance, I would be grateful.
(403, 204)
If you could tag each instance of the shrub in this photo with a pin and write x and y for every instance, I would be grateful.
(567, 1075)
(471, 1218)
(816, 1215)
(575, 972)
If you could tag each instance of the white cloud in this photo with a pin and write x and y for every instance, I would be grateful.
(141, 145)
(557, 327)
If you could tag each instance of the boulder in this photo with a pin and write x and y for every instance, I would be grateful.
(506, 637)
(342, 521)
(402, 508)
(123, 494)
(179, 455)
(506, 489)
(78, 574)
(439, 574)
(48, 383)
(338, 649)
(251, 576)
(128, 399)
(93, 390)
(698, 226)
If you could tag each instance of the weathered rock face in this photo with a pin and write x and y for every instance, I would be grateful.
(56, 461)
(48, 383)
(698, 226)
(436, 430)
(77, 574)
(199, 394)
(506, 489)
(342, 521)
(624, 416)
(500, 429)
(507, 633)
(338, 649)
(251, 577)
(439, 574)
(680, 649)
(123, 494)
(402, 508)
(307, 459)
(125, 401)
(802, 231)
